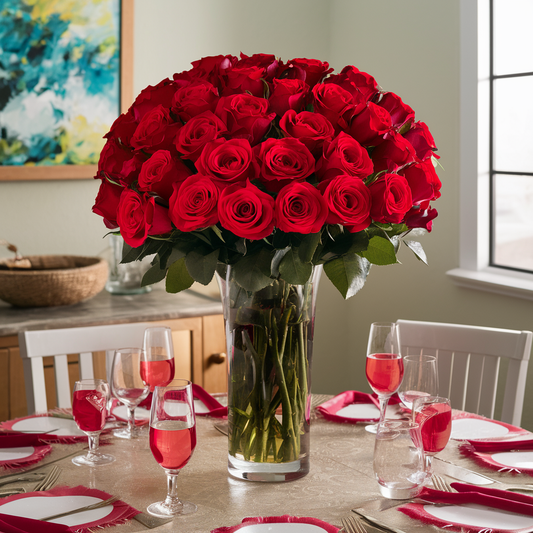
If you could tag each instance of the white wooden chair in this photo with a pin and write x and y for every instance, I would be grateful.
(35, 345)
(469, 364)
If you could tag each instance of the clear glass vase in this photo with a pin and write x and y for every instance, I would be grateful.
(269, 336)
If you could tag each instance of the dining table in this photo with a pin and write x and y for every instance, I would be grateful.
(340, 479)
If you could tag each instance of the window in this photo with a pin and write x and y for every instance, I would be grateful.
(496, 192)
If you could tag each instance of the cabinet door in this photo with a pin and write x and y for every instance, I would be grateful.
(215, 359)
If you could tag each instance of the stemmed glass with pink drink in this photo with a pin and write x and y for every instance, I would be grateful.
(384, 364)
(433, 414)
(172, 441)
(89, 408)
(157, 364)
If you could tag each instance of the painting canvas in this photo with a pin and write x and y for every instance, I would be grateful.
(60, 81)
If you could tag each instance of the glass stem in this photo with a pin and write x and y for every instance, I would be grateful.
(429, 463)
(383, 402)
(172, 502)
(94, 443)
(131, 420)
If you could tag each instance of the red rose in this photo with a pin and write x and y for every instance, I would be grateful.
(135, 215)
(391, 199)
(369, 126)
(161, 223)
(155, 131)
(193, 205)
(361, 86)
(227, 161)
(288, 94)
(160, 172)
(245, 116)
(119, 163)
(282, 161)
(123, 129)
(400, 113)
(344, 155)
(334, 102)
(246, 211)
(244, 80)
(312, 129)
(421, 217)
(422, 140)
(196, 133)
(300, 208)
(210, 68)
(309, 70)
(106, 203)
(193, 99)
(423, 181)
(348, 200)
(393, 153)
(153, 96)
(268, 62)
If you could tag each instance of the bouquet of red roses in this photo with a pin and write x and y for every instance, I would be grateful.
(271, 167)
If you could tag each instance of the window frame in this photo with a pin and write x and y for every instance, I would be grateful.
(475, 271)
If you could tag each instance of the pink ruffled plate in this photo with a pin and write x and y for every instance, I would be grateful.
(280, 524)
(19, 456)
(207, 405)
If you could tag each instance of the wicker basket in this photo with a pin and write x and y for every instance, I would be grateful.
(54, 280)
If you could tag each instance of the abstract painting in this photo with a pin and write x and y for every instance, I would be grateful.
(60, 85)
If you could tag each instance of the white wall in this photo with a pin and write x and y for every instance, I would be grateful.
(410, 47)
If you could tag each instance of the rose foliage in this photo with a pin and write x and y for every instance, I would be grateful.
(271, 167)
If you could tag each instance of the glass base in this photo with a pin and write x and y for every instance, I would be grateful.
(162, 510)
(399, 493)
(98, 459)
(124, 433)
(268, 472)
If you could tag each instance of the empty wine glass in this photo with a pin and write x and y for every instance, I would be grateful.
(172, 441)
(384, 364)
(89, 408)
(128, 387)
(420, 378)
(157, 363)
(434, 416)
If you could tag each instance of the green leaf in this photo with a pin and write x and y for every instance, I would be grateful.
(250, 272)
(417, 249)
(348, 273)
(276, 260)
(178, 277)
(307, 248)
(380, 251)
(218, 233)
(201, 267)
(293, 270)
(153, 275)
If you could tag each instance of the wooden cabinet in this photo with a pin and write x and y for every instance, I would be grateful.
(199, 351)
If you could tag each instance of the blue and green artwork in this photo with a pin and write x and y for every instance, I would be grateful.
(59, 79)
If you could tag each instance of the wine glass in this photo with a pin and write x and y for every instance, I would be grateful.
(89, 408)
(384, 364)
(172, 441)
(157, 362)
(434, 416)
(420, 378)
(128, 387)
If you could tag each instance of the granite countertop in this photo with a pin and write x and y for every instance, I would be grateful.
(105, 308)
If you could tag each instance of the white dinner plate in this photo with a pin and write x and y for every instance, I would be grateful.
(16, 454)
(362, 411)
(476, 428)
(48, 424)
(121, 411)
(518, 460)
(282, 527)
(39, 507)
(200, 407)
(480, 516)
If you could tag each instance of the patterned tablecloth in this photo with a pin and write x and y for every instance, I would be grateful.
(340, 479)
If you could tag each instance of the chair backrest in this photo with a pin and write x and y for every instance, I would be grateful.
(34, 345)
(469, 363)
